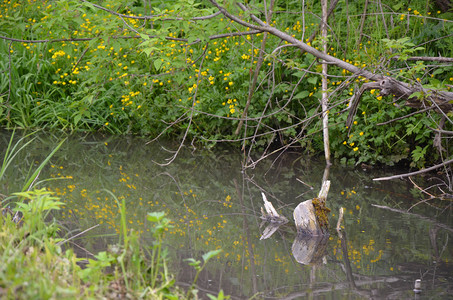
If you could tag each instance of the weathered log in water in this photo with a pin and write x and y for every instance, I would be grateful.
(270, 214)
(310, 216)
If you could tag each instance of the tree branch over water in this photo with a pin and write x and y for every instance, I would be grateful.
(422, 171)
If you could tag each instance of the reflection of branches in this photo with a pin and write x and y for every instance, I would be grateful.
(431, 197)
(415, 215)
(247, 240)
(181, 144)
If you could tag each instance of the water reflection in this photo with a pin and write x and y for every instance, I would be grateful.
(214, 205)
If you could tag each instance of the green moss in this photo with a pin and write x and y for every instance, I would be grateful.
(322, 212)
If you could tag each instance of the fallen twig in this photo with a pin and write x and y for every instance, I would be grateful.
(416, 172)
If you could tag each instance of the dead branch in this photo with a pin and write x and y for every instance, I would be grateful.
(387, 85)
(406, 116)
(257, 69)
(340, 219)
(269, 213)
(362, 21)
(427, 58)
(440, 100)
(441, 131)
(416, 172)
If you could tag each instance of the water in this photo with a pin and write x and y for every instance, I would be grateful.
(213, 204)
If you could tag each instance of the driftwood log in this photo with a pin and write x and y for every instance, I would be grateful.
(310, 216)
(270, 214)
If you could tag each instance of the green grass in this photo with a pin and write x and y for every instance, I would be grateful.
(139, 77)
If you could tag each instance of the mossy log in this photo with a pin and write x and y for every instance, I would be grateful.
(310, 216)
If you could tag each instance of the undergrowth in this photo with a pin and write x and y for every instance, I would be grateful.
(173, 76)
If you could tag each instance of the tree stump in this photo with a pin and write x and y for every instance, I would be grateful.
(310, 216)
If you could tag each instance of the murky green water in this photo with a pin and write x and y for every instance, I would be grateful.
(213, 204)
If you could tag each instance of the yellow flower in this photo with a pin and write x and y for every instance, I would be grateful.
(356, 148)
(379, 98)
(361, 133)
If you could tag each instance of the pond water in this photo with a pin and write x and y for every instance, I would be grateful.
(214, 204)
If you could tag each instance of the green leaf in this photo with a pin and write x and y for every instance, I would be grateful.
(77, 119)
(312, 80)
(211, 254)
(220, 296)
(301, 95)
(155, 216)
(158, 63)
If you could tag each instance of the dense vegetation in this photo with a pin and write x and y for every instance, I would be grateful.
(183, 70)
(176, 68)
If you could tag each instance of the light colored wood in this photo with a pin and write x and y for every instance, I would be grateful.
(269, 213)
(305, 219)
(324, 190)
(309, 251)
(305, 215)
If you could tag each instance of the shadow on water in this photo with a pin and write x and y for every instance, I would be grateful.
(214, 205)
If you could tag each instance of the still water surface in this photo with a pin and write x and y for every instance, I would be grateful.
(213, 204)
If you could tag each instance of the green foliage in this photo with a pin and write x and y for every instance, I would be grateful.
(199, 267)
(35, 206)
(401, 47)
(34, 266)
(176, 72)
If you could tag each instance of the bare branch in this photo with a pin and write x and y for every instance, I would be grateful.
(416, 172)
(427, 58)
